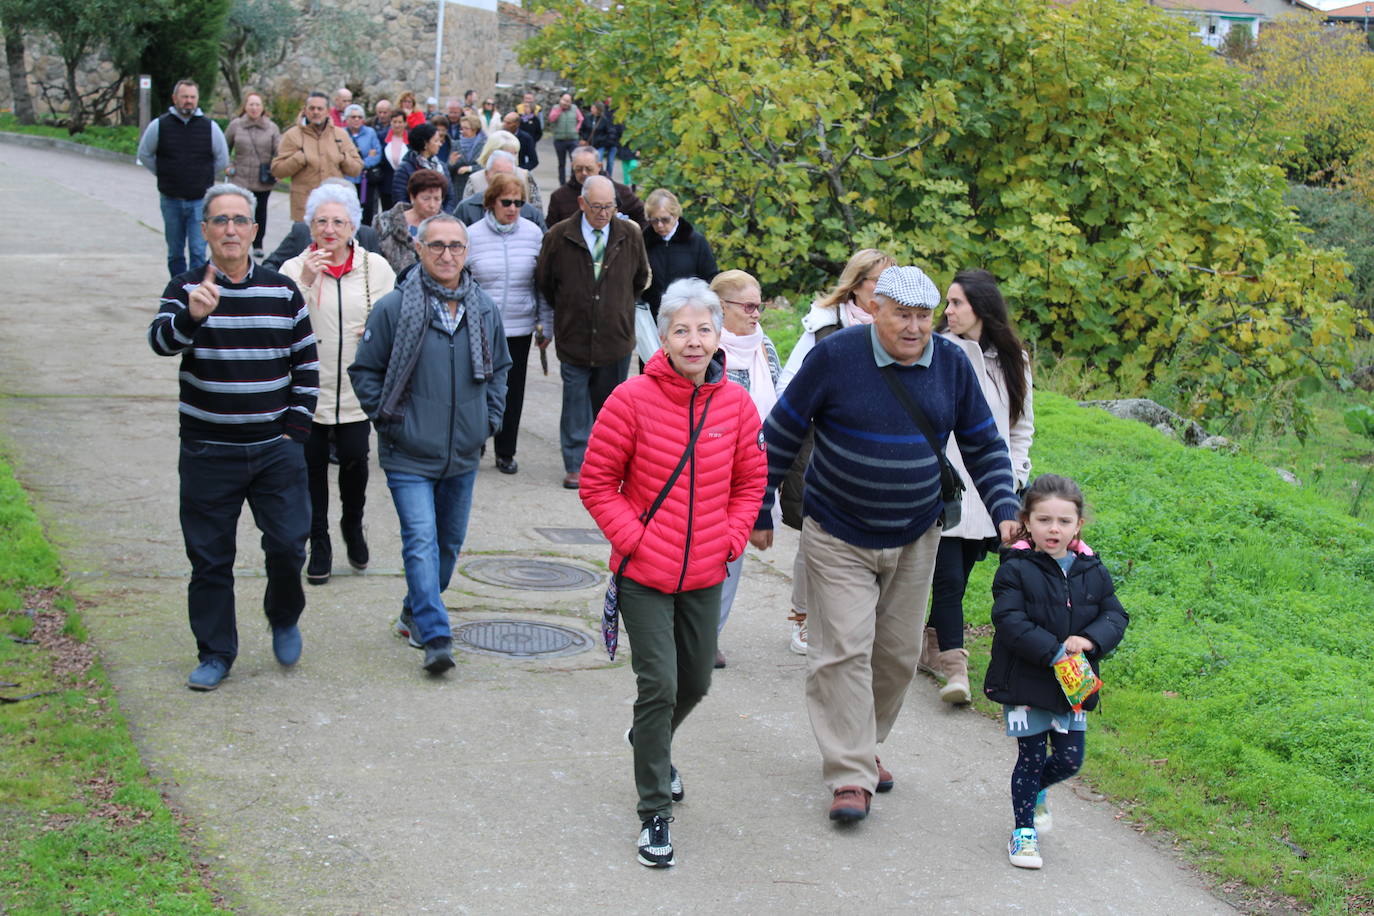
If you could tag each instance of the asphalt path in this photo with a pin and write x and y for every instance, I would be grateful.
(354, 783)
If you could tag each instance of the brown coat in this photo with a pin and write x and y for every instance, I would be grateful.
(308, 155)
(593, 319)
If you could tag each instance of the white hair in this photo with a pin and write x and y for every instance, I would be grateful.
(223, 188)
(684, 293)
(333, 194)
(352, 110)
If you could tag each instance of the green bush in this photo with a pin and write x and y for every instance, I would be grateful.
(1341, 219)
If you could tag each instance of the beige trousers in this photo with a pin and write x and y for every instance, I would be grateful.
(864, 624)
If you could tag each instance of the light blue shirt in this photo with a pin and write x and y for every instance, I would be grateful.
(883, 358)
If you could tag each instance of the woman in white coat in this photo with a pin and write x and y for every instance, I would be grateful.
(976, 320)
(340, 281)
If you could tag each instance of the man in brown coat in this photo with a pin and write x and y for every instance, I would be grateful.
(586, 161)
(311, 152)
(591, 268)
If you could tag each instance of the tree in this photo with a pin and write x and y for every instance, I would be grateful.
(1238, 45)
(183, 42)
(1025, 138)
(15, 16)
(257, 38)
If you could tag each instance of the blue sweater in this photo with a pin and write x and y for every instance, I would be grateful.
(873, 480)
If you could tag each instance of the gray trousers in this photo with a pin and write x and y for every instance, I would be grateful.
(585, 389)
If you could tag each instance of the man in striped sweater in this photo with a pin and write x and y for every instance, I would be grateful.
(249, 379)
(871, 514)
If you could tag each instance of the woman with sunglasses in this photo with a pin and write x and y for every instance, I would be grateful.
(502, 249)
(676, 250)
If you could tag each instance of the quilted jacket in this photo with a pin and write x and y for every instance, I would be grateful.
(638, 439)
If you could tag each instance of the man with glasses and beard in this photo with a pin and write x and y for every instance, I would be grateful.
(431, 374)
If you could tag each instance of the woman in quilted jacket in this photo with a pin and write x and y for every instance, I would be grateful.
(674, 478)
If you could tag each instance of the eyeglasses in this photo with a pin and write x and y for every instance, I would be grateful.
(438, 248)
(601, 208)
(661, 220)
(753, 308)
(511, 201)
(327, 223)
(242, 222)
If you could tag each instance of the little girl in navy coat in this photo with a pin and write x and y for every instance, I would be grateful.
(1052, 597)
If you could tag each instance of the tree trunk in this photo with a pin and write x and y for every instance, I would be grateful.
(76, 109)
(19, 78)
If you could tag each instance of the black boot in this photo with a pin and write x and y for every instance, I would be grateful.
(355, 544)
(321, 560)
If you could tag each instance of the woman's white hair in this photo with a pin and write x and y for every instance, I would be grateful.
(498, 139)
(333, 194)
(681, 294)
(352, 110)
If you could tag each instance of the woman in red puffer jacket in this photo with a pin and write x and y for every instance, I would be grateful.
(670, 590)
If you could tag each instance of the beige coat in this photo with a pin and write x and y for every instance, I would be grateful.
(338, 315)
(252, 143)
(976, 523)
(308, 155)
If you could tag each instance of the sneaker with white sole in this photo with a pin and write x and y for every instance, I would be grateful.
(405, 629)
(1023, 850)
(655, 843)
(1044, 821)
(798, 642)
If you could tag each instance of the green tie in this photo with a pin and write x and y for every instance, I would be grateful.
(598, 251)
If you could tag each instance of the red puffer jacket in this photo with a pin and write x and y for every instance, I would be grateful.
(638, 438)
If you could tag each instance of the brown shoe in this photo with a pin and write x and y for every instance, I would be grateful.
(572, 480)
(930, 648)
(953, 667)
(885, 779)
(851, 804)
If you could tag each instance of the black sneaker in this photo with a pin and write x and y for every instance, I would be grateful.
(438, 655)
(674, 777)
(655, 844)
(355, 545)
(321, 560)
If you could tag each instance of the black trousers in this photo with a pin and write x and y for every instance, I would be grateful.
(350, 442)
(215, 482)
(505, 440)
(260, 215)
(953, 562)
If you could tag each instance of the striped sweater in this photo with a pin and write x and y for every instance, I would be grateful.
(873, 480)
(248, 371)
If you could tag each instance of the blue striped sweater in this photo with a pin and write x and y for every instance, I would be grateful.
(873, 480)
(248, 371)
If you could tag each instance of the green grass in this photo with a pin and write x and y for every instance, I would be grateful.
(122, 139)
(1237, 713)
(82, 828)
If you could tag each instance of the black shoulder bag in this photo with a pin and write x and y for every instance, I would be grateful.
(951, 484)
(610, 607)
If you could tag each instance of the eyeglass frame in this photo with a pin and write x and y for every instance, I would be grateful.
(437, 248)
(224, 219)
(749, 308)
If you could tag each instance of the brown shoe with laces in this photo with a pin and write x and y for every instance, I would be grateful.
(885, 780)
(851, 804)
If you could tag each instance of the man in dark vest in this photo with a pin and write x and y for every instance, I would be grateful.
(185, 150)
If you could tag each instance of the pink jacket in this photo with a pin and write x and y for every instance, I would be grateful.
(706, 518)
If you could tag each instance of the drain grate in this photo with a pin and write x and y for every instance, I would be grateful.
(520, 639)
(522, 572)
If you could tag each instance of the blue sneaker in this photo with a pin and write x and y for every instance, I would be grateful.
(1023, 850)
(208, 674)
(286, 644)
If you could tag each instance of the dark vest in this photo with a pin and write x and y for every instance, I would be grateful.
(185, 157)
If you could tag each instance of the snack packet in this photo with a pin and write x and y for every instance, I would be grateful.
(1077, 679)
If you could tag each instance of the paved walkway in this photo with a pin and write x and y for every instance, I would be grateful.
(353, 784)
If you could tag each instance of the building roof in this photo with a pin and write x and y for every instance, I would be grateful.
(1353, 11)
(1225, 7)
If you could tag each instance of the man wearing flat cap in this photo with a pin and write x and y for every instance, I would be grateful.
(872, 511)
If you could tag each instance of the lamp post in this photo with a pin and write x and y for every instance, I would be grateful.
(1366, 19)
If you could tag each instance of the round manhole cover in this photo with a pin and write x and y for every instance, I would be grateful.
(520, 639)
(523, 572)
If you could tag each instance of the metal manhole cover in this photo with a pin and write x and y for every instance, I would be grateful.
(522, 572)
(520, 639)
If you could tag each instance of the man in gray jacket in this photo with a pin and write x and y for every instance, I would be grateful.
(431, 373)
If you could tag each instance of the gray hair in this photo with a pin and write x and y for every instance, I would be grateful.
(440, 217)
(592, 181)
(501, 155)
(352, 110)
(223, 188)
(685, 293)
(333, 194)
(586, 151)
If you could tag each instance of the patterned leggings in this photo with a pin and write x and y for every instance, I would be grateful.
(1034, 772)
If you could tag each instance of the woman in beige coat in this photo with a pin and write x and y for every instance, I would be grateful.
(253, 139)
(340, 281)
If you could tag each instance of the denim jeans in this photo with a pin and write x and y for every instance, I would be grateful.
(181, 226)
(215, 481)
(434, 520)
(585, 389)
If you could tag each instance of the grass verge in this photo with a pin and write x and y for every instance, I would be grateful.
(123, 139)
(1237, 713)
(82, 827)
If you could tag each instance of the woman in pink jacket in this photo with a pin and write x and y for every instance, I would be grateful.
(670, 591)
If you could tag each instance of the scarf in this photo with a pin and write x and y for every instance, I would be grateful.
(495, 226)
(745, 351)
(418, 294)
(853, 315)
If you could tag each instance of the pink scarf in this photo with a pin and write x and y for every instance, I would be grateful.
(746, 352)
(855, 315)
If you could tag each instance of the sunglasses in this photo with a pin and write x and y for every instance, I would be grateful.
(511, 201)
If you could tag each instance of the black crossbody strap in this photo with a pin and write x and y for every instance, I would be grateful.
(677, 471)
(913, 410)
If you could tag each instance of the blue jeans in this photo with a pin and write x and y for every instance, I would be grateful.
(181, 226)
(434, 520)
(215, 481)
(585, 389)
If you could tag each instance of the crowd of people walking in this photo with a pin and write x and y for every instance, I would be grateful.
(421, 271)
